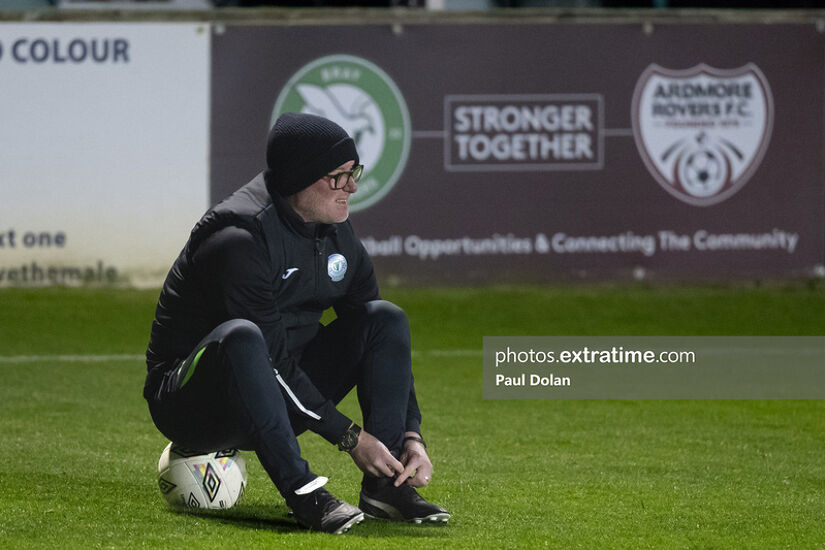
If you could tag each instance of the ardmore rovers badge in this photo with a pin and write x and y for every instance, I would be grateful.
(702, 132)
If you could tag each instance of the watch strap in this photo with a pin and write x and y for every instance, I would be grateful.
(416, 438)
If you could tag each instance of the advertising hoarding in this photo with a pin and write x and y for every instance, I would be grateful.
(496, 153)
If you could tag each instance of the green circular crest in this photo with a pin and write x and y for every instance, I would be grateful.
(364, 101)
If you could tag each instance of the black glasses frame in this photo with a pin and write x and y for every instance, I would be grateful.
(336, 179)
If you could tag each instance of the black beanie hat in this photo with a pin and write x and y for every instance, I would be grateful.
(301, 149)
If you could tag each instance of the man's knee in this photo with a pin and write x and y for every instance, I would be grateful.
(389, 319)
(386, 312)
(242, 345)
(240, 333)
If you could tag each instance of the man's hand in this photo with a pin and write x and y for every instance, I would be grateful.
(418, 470)
(372, 457)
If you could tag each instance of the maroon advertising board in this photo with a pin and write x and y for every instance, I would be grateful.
(531, 152)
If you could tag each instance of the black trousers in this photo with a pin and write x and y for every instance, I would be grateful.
(232, 399)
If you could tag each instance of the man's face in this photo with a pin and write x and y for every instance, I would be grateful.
(321, 203)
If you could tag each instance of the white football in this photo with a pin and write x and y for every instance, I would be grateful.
(192, 480)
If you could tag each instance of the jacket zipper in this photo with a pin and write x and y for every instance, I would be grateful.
(318, 253)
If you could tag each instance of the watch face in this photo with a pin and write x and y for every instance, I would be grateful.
(350, 441)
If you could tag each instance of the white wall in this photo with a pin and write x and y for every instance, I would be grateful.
(111, 151)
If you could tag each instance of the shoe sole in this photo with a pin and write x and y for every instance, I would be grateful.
(381, 510)
(434, 518)
(355, 520)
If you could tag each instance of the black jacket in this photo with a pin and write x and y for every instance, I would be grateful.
(251, 257)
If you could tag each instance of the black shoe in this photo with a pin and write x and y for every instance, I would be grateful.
(320, 511)
(381, 499)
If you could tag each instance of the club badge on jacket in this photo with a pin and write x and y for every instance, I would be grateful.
(336, 267)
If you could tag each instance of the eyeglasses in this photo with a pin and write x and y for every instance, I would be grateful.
(341, 179)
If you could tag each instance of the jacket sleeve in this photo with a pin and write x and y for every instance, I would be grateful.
(238, 273)
(413, 412)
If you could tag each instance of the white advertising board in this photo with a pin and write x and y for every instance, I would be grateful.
(103, 150)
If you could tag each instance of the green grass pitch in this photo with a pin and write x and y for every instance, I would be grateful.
(79, 451)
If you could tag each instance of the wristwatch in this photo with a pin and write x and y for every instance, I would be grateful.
(349, 440)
